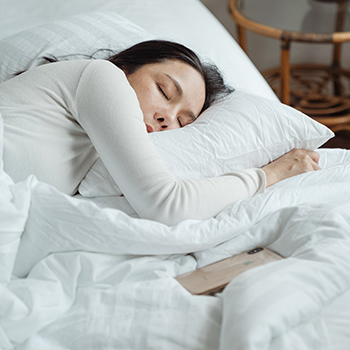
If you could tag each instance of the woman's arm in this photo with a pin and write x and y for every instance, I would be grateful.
(108, 110)
(295, 162)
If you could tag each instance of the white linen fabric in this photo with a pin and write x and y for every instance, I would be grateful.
(197, 28)
(75, 37)
(74, 275)
(240, 132)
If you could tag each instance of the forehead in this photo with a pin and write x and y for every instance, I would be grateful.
(173, 65)
(174, 68)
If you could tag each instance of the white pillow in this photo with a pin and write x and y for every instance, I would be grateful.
(80, 34)
(240, 132)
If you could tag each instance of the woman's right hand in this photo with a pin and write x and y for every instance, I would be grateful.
(295, 162)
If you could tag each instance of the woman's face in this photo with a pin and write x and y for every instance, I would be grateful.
(171, 94)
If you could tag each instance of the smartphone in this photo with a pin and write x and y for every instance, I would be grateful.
(213, 278)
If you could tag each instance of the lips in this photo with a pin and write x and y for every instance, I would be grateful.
(149, 128)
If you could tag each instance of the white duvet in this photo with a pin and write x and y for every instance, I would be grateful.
(75, 276)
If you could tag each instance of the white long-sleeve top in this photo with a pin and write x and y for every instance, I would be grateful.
(60, 117)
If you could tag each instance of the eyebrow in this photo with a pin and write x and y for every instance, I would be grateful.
(180, 93)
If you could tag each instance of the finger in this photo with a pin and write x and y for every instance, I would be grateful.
(315, 166)
(315, 156)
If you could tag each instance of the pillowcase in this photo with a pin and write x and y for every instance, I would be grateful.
(75, 36)
(239, 132)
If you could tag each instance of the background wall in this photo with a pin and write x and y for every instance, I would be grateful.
(264, 52)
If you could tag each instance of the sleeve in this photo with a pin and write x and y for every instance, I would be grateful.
(108, 110)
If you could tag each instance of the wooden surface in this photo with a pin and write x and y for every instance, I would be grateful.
(341, 140)
(323, 92)
(312, 91)
(280, 34)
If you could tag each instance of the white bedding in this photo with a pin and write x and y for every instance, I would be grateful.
(186, 21)
(97, 278)
(77, 274)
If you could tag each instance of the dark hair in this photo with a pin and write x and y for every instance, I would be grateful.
(156, 51)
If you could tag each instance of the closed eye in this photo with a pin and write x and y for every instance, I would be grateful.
(178, 119)
(162, 91)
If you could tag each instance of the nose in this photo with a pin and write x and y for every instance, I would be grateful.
(166, 120)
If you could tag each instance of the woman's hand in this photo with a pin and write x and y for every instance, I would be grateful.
(295, 162)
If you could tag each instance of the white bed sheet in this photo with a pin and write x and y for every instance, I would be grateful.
(337, 320)
(186, 21)
(100, 279)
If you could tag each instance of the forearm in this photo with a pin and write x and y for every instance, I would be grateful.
(200, 199)
(108, 110)
(295, 162)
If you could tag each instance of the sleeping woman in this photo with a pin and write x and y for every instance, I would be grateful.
(60, 117)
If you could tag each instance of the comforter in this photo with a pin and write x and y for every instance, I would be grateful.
(77, 276)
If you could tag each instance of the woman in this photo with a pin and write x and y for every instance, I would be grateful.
(59, 117)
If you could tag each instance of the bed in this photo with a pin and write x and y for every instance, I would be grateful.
(84, 272)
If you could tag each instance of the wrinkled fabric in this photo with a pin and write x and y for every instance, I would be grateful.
(77, 276)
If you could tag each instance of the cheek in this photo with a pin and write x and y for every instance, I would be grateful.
(146, 105)
(142, 96)
(149, 101)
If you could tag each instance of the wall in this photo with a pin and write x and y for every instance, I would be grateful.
(264, 52)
